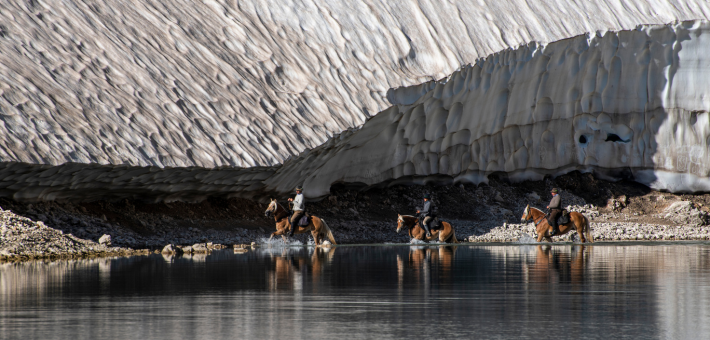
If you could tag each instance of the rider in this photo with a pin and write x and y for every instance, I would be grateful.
(426, 213)
(555, 210)
(298, 209)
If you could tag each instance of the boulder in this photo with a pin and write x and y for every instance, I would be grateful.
(105, 240)
(170, 249)
(200, 248)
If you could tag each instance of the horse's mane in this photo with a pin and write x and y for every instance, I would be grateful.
(280, 208)
(539, 210)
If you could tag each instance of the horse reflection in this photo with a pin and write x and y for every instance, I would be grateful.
(291, 269)
(425, 263)
(557, 264)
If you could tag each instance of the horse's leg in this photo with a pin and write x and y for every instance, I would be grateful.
(540, 236)
(314, 233)
(549, 239)
(579, 226)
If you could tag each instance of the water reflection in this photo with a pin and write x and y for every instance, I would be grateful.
(558, 264)
(559, 291)
(292, 266)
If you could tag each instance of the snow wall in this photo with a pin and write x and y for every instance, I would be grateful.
(629, 104)
(185, 100)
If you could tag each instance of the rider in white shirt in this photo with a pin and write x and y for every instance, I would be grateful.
(298, 209)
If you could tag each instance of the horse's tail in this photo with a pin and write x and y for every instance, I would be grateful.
(588, 230)
(328, 233)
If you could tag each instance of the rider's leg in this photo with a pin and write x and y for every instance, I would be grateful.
(294, 221)
(425, 225)
(553, 222)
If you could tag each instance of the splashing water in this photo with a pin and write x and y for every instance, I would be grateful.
(415, 241)
(526, 239)
(279, 242)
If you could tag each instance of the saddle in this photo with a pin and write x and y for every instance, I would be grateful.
(305, 220)
(436, 224)
(564, 217)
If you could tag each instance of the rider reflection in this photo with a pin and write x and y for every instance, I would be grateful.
(558, 265)
(292, 267)
(426, 263)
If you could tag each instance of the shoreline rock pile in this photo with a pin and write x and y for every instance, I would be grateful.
(24, 239)
(484, 213)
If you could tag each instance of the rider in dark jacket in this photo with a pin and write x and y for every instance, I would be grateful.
(426, 214)
(555, 210)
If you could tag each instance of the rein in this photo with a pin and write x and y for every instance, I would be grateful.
(539, 220)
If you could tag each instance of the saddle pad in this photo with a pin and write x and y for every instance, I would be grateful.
(436, 224)
(303, 220)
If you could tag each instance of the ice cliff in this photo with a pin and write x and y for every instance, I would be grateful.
(629, 104)
(183, 99)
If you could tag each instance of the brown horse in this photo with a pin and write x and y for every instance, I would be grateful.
(577, 222)
(318, 228)
(445, 234)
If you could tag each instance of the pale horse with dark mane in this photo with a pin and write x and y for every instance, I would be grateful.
(317, 226)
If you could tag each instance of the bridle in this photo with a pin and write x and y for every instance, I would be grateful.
(404, 223)
(534, 221)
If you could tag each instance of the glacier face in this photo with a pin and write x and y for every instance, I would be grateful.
(184, 100)
(249, 83)
(622, 104)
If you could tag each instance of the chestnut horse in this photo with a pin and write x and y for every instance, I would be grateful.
(318, 228)
(445, 234)
(577, 222)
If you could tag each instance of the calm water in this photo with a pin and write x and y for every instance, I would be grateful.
(610, 291)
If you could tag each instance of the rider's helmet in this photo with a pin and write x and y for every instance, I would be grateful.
(299, 188)
(554, 190)
(427, 196)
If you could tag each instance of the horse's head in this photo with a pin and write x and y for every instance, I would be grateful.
(271, 209)
(526, 214)
(404, 222)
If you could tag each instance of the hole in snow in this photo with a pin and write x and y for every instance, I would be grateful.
(610, 137)
(583, 139)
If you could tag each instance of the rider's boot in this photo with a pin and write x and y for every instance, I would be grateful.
(426, 228)
(293, 230)
(555, 229)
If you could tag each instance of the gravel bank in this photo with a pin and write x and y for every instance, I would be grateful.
(484, 213)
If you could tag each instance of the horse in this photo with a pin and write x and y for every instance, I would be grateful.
(317, 226)
(577, 222)
(446, 233)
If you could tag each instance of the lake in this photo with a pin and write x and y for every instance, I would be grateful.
(565, 291)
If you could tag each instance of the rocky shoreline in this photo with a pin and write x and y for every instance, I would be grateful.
(484, 213)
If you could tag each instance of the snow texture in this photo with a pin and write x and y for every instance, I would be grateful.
(628, 104)
(182, 99)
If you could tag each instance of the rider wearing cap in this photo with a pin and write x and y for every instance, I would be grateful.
(555, 210)
(298, 209)
(426, 213)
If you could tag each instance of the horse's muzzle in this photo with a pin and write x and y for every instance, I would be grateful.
(267, 213)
